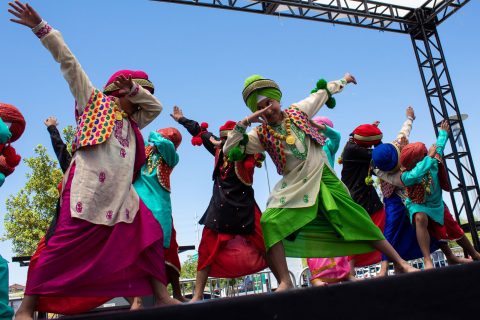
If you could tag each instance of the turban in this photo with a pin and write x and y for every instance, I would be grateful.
(385, 156)
(139, 77)
(258, 86)
(226, 128)
(323, 120)
(14, 118)
(171, 134)
(412, 154)
(367, 135)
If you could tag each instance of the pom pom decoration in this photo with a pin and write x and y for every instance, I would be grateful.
(322, 85)
(249, 163)
(237, 154)
(259, 158)
(368, 180)
(11, 156)
(197, 140)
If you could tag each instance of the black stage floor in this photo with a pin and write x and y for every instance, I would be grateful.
(445, 293)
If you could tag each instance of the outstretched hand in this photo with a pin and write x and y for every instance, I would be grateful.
(25, 13)
(445, 126)
(51, 121)
(410, 112)
(177, 113)
(350, 78)
(125, 85)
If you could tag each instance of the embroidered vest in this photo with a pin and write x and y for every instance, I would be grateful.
(244, 173)
(163, 170)
(276, 148)
(96, 123)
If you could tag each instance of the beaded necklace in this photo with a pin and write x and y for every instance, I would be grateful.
(152, 162)
(301, 136)
(289, 138)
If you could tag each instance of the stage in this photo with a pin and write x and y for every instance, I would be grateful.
(443, 293)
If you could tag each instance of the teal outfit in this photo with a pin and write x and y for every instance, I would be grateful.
(332, 144)
(433, 205)
(6, 312)
(5, 133)
(149, 189)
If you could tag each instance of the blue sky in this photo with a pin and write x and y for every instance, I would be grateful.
(198, 59)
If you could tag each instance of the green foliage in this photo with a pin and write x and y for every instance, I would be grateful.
(69, 135)
(30, 211)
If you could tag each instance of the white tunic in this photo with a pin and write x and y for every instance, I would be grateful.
(300, 184)
(102, 191)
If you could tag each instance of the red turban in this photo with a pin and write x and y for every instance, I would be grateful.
(227, 127)
(412, 154)
(139, 77)
(367, 135)
(171, 134)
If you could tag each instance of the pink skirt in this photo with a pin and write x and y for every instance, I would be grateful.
(84, 264)
(329, 270)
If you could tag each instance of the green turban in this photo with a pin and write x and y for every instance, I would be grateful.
(257, 85)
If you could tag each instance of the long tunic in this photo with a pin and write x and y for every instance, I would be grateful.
(433, 205)
(305, 160)
(99, 193)
(152, 193)
(232, 207)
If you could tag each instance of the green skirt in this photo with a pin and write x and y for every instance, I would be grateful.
(334, 226)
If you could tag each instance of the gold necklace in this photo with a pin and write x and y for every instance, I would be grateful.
(289, 138)
(151, 163)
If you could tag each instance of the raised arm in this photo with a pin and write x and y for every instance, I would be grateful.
(149, 106)
(394, 178)
(72, 71)
(61, 151)
(442, 137)
(406, 129)
(194, 128)
(313, 103)
(165, 148)
(236, 135)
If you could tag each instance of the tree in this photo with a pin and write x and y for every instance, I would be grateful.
(30, 211)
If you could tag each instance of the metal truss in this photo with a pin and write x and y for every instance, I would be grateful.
(443, 105)
(359, 13)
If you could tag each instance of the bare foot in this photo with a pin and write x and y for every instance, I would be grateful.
(352, 278)
(137, 304)
(319, 283)
(382, 273)
(195, 299)
(166, 301)
(427, 264)
(182, 299)
(457, 260)
(23, 316)
(284, 287)
(404, 267)
(476, 257)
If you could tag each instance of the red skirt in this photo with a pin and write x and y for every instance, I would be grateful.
(367, 259)
(232, 256)
(450, 229)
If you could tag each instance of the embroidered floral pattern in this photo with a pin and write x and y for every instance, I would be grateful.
(79, 207)
(284, 185)
(283, 200)
(43, 31)
(124, 142)
(96, 123)
(102, 177)
(300, 119)
(305, 198)
(123, 153)
(109, 215)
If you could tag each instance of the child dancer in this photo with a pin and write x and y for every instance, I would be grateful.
(398, 229)
(309, 212)
(424, 178)
(329, 270)
(153, 187)
(232, 242)
(356, 158)
(100, 211)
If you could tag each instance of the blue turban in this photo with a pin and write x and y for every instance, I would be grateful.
(385, 156)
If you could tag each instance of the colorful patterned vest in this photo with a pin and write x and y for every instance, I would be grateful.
(96, 123)
(163, 169)
(244, 173)
(275, 147)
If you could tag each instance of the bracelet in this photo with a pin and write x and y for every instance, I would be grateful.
(411, 118)
(248, 122)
